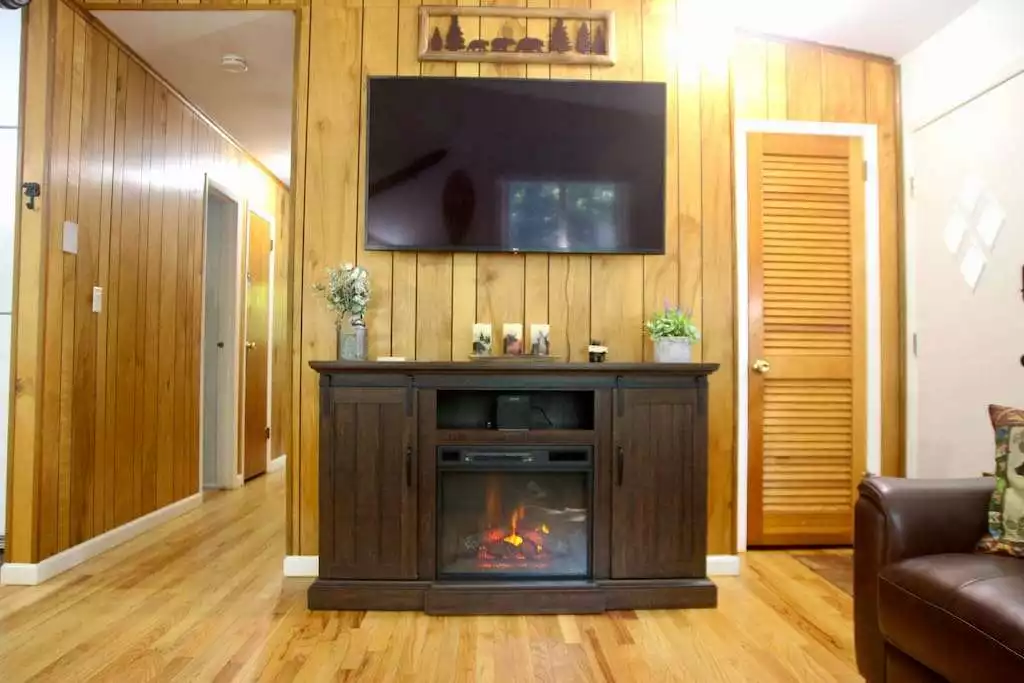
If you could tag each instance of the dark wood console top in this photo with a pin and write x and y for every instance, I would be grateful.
(505, 366)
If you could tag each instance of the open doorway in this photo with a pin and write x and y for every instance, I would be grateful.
(221, 330)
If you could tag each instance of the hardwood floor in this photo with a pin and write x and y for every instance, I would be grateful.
(203, 599)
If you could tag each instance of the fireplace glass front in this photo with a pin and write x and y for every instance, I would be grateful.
(509, 523)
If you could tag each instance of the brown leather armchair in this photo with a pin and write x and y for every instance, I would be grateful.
(926, 606)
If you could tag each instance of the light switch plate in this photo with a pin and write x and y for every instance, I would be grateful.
(97, 299)
(70, 237)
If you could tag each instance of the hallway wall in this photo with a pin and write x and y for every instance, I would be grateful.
(108, 427)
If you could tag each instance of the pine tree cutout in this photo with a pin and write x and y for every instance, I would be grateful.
(454, 41)
(583, 45)
(435, 40)
(559, 37)
(600, 42)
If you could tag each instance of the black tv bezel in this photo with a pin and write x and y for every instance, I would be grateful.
(365, 190)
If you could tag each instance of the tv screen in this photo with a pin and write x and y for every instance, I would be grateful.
(515, 165)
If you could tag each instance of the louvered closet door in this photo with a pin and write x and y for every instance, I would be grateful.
(807, 337)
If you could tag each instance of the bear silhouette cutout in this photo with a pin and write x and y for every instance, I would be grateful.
(530, 45)
(478, 45)
(502, 44)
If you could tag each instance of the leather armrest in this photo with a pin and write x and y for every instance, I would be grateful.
(896, 519)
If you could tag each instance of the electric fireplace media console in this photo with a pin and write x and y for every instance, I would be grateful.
(512, 487)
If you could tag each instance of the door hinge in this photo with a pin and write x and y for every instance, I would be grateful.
(913, 343)
(913, 186)
(268, 432)
(865, 170)
(271, 245)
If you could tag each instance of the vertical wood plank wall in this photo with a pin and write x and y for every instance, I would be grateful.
(118, 398)
(424, 304)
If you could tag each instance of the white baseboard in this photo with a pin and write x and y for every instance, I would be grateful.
(23, 574)
(276, 464)
(301, 565)
(309, 565)
(723, 565)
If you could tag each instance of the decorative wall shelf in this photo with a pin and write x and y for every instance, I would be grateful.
(517, 35)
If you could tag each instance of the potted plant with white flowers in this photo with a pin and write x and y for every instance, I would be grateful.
(673, 332)
(347, 293)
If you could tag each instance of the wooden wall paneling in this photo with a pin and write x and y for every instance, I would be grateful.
(330, 223)
(404, 266)
(49, 456)
(717, 282)
(166, 305)
(179, 359)
(84, 384)
(380, 58)
(776, 55)
(880, 109)
(146, 334)
(536, 272)
(195, 209)
(128, 258)
(30, 295)
(569, 306)
(661, 273)
(803, 82)
(688, 122)
(617, 281)
(750, 78)
(297, 203)
(281, 360)
(464, 265)
(433, 288)
(67, 338)
(501, 278)
(113, 303)
(842, 87)
(102, 441)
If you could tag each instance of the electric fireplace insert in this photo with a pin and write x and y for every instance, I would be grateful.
(514, 513)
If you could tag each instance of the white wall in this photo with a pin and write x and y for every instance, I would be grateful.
(10, 57)
(963, 101)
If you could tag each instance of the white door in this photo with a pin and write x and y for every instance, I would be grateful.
(10, 56)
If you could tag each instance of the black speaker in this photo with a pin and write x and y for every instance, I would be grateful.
(513, 411)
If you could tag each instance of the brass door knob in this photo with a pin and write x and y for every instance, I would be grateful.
(250, 346)
(762, 366)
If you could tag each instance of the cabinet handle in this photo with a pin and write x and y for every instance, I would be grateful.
(620, 465)
(408, 466)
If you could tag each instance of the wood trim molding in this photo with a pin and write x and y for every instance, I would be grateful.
(29, 299)
(213, 5)
(31, 574)
(85, 11)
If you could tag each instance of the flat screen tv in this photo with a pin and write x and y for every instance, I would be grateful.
(515, 166)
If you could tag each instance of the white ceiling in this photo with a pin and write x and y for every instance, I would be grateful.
(884, 27)
(186, 48)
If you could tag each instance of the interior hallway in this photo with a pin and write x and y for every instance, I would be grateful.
(203, 599)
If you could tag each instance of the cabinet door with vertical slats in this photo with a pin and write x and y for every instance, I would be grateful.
(807, 406)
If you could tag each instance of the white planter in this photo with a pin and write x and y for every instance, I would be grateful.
(672, 350)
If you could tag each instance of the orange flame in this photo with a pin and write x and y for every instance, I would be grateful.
(514, 538)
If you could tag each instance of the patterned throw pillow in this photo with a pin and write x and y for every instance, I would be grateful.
(1006, 509)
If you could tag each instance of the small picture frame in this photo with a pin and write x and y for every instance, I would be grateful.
(512, 339)
(540, 339)
(482, 339)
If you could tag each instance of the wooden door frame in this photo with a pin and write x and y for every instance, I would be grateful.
(272, 224)
(868, 133)
(231, 464)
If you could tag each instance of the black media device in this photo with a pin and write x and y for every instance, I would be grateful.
(513, 412)
(515, 165)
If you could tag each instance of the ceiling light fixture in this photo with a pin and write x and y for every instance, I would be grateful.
(234, 64)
